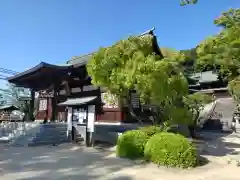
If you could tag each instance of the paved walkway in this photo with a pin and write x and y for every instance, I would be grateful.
(67, 162)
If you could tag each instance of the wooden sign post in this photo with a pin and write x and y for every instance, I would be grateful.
(69, 123)
(90, 124)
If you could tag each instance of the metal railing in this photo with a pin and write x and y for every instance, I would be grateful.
(11, 130)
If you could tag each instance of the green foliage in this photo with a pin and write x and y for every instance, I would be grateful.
(174, 55)
(132, 64)
(187, 2)
(190, 58)
(178, 115)
(195, 103)
(222, 51)
(131, 144)
(151, 130)
(115, 67)
(110, 99)
(229, 19)
(172, 150)
(234, 89)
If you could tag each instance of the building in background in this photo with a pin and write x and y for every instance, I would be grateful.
(70, 81)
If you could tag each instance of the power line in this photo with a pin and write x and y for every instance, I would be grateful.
(8, 71)
(3, 77)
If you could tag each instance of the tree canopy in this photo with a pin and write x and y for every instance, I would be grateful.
(132, 64)
(222, 51)
(187, 2)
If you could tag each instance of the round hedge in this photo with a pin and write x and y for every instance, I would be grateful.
(172, 150)
(131, 144)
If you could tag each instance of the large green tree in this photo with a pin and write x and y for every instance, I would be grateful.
(222, 51)
(132, 64)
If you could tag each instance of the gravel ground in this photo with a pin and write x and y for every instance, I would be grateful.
(70, 162)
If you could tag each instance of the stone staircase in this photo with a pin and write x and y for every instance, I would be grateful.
(51, 134)
(206, 112)
(222, 115)
(12, 130)
(39, 134)
(225, 107)
(105, 133)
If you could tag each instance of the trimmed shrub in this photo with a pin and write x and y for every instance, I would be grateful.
(151, 130)
(131, 144)
(172, 150)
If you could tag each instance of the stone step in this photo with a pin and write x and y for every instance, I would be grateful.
(47, 134)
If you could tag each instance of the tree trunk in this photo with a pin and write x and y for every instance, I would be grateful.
(192, 131)
(131, 110)
(192, 128)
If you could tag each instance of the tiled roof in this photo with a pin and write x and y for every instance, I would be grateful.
(8, 107)
(82, 60)
(207, 76)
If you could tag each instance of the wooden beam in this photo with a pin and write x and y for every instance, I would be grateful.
(54, 104)
(78, 83)
(96, 92)
(31, 106)
(66, 87)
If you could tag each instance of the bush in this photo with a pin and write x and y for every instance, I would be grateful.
(179, 129)
(172, 150)
(131, 144)
(150, 130)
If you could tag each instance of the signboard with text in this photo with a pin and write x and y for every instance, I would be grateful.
(91, 118)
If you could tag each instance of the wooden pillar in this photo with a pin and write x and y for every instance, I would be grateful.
(91, 117)
(54, 103)
(31, 106)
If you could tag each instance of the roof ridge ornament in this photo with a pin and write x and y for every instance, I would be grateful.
(150, 31)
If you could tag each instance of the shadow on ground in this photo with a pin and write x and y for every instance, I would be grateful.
(60, 163)
(219, 144)
(79, 163)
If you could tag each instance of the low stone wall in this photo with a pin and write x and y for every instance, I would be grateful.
(11, 130)
(107, 133)
(33, 133)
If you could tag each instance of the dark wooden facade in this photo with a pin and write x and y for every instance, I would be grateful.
(71, 81)
(55, 84)
(105, 115)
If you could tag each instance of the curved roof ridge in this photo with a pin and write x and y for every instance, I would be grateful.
(18, 78)
(83, 59)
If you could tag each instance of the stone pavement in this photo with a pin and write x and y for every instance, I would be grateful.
(70, 162)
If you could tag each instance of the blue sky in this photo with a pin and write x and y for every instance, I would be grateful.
(55, 30)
